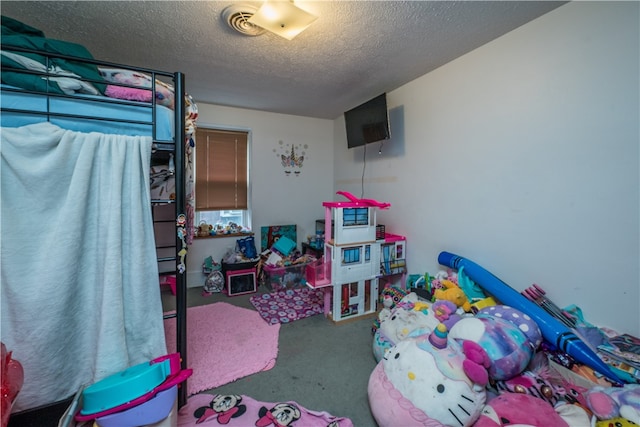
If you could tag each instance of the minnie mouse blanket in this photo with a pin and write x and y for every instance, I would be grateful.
(243, 411)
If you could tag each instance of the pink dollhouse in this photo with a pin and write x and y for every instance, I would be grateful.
(356, 256)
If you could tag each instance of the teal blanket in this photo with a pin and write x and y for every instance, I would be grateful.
(15, 33)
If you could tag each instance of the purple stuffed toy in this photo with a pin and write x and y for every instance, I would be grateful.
(445, 312)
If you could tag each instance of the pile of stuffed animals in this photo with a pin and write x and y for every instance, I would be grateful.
(442, 362)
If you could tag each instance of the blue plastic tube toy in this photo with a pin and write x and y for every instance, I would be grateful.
(552, 329)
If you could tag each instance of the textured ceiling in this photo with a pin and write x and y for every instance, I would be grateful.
(355, 49)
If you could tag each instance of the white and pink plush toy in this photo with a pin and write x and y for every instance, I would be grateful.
(409, 316)
(428, 380)
(612, 402)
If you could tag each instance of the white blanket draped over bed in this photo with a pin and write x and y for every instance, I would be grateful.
(80, 293)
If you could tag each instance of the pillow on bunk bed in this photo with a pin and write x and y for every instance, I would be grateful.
(70, 75)
(164, 92)
(128, 93)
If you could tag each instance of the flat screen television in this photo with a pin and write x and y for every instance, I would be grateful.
(368, 122)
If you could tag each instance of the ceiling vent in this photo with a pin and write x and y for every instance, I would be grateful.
(237, 17)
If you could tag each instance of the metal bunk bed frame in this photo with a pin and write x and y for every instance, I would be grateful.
(175, 146)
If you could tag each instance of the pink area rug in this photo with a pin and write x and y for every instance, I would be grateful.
(243, 411)
(224, 343)
(289, 305)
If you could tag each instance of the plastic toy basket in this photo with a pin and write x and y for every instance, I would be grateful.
(278, 278)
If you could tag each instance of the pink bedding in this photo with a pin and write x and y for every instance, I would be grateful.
(164, 92)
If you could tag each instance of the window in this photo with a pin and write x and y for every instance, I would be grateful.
(355, 216)
(351, 255)
(222, 177)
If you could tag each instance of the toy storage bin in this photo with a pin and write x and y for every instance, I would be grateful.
(279, 278)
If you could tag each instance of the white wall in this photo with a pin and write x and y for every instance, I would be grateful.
(523, 156)
(276, 199)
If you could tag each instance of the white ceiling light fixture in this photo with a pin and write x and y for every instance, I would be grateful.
(283, 18)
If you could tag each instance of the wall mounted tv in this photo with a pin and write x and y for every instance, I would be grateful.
(368, 122)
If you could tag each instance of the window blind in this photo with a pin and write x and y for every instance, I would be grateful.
(221, 169)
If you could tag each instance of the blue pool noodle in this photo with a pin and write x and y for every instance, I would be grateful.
(552, 329)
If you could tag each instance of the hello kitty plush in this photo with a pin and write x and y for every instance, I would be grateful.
(409, 316)
(389, 298)
(427, 380)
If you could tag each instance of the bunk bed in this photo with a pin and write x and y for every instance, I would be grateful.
(52, 88)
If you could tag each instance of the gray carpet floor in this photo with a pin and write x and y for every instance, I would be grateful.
(321, 365)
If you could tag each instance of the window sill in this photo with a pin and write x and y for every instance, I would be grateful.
(219, 236)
